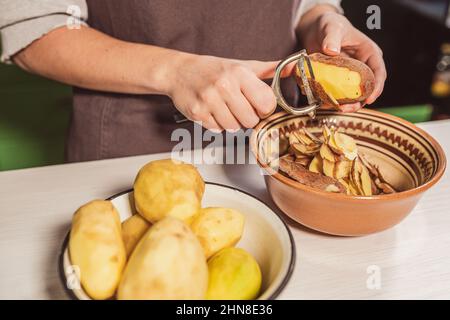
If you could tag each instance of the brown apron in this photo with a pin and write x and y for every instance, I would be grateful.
(107, 125)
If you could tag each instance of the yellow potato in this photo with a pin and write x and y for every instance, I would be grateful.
(233, 275)
(132, 231)
(167, 263)
(218, 228)
(168, 188)
(96, 247)
(338, 80)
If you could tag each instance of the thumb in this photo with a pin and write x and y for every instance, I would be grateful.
(266, 70)
(331, 44)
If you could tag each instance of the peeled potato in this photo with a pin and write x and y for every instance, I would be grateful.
(339, 80)
(233, 275)
(167, 263)
(218, 228)
(96, 247)
(132, 231)
(168, 188)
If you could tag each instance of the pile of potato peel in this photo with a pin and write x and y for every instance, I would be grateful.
(332, 163)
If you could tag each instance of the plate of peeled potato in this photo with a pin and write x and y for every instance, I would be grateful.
(173, 236)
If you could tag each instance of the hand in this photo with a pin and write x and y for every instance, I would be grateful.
(222, 93)
(332, 34)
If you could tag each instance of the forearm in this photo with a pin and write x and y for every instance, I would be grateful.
(90, 59)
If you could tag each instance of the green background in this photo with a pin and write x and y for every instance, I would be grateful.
(34, 117)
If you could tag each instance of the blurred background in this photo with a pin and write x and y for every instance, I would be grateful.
(414, 36)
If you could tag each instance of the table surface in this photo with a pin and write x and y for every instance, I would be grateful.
(411, 260)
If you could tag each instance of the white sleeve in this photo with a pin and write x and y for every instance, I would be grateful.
(24, 21)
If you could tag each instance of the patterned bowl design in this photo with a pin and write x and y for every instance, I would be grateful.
(410, 159)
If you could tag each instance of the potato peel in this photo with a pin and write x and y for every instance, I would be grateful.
(306, 177)
(334, 157)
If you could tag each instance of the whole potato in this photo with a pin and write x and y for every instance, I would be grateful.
(233, 275)
(167, 263)
(168, 188)
(132, 231)
(218, 228)
(96, 247)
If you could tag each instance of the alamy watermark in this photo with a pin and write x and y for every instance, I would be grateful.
(74, 19)
(373, 281)
(73, 276)
(374, 20)
(200, 146)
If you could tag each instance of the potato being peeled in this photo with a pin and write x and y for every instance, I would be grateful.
(338, 80)
(96, 247)
(132, 231)
(168, 188)
(218, 228)
(167, 263)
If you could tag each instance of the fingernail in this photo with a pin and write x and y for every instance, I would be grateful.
(332, 48)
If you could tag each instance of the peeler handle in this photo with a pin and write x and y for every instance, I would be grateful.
(276, 86)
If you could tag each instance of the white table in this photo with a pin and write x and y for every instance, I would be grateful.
(413, 259)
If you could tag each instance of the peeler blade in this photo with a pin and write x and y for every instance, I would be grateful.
(304, 59)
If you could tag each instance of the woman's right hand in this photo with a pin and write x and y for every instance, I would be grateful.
(221, 94)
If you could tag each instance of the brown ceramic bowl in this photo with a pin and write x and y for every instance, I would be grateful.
(409, 158)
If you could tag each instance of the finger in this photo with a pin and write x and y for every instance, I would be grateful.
(214, 102)
(259, 95)
(221, 113)
(376, 63)
(332, 42)
(242, 110)
(266, 70)
(211, 124)
(351, 107)
(226, 119)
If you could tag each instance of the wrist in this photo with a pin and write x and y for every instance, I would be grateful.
(162, 65)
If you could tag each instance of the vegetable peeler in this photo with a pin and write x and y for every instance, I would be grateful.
(313, 104)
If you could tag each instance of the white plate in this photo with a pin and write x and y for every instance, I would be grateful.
(266, 237)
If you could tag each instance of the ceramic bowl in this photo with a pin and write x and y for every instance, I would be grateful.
(409, 158)
(266, 237)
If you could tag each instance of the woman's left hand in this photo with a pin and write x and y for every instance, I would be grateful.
(324, 30)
